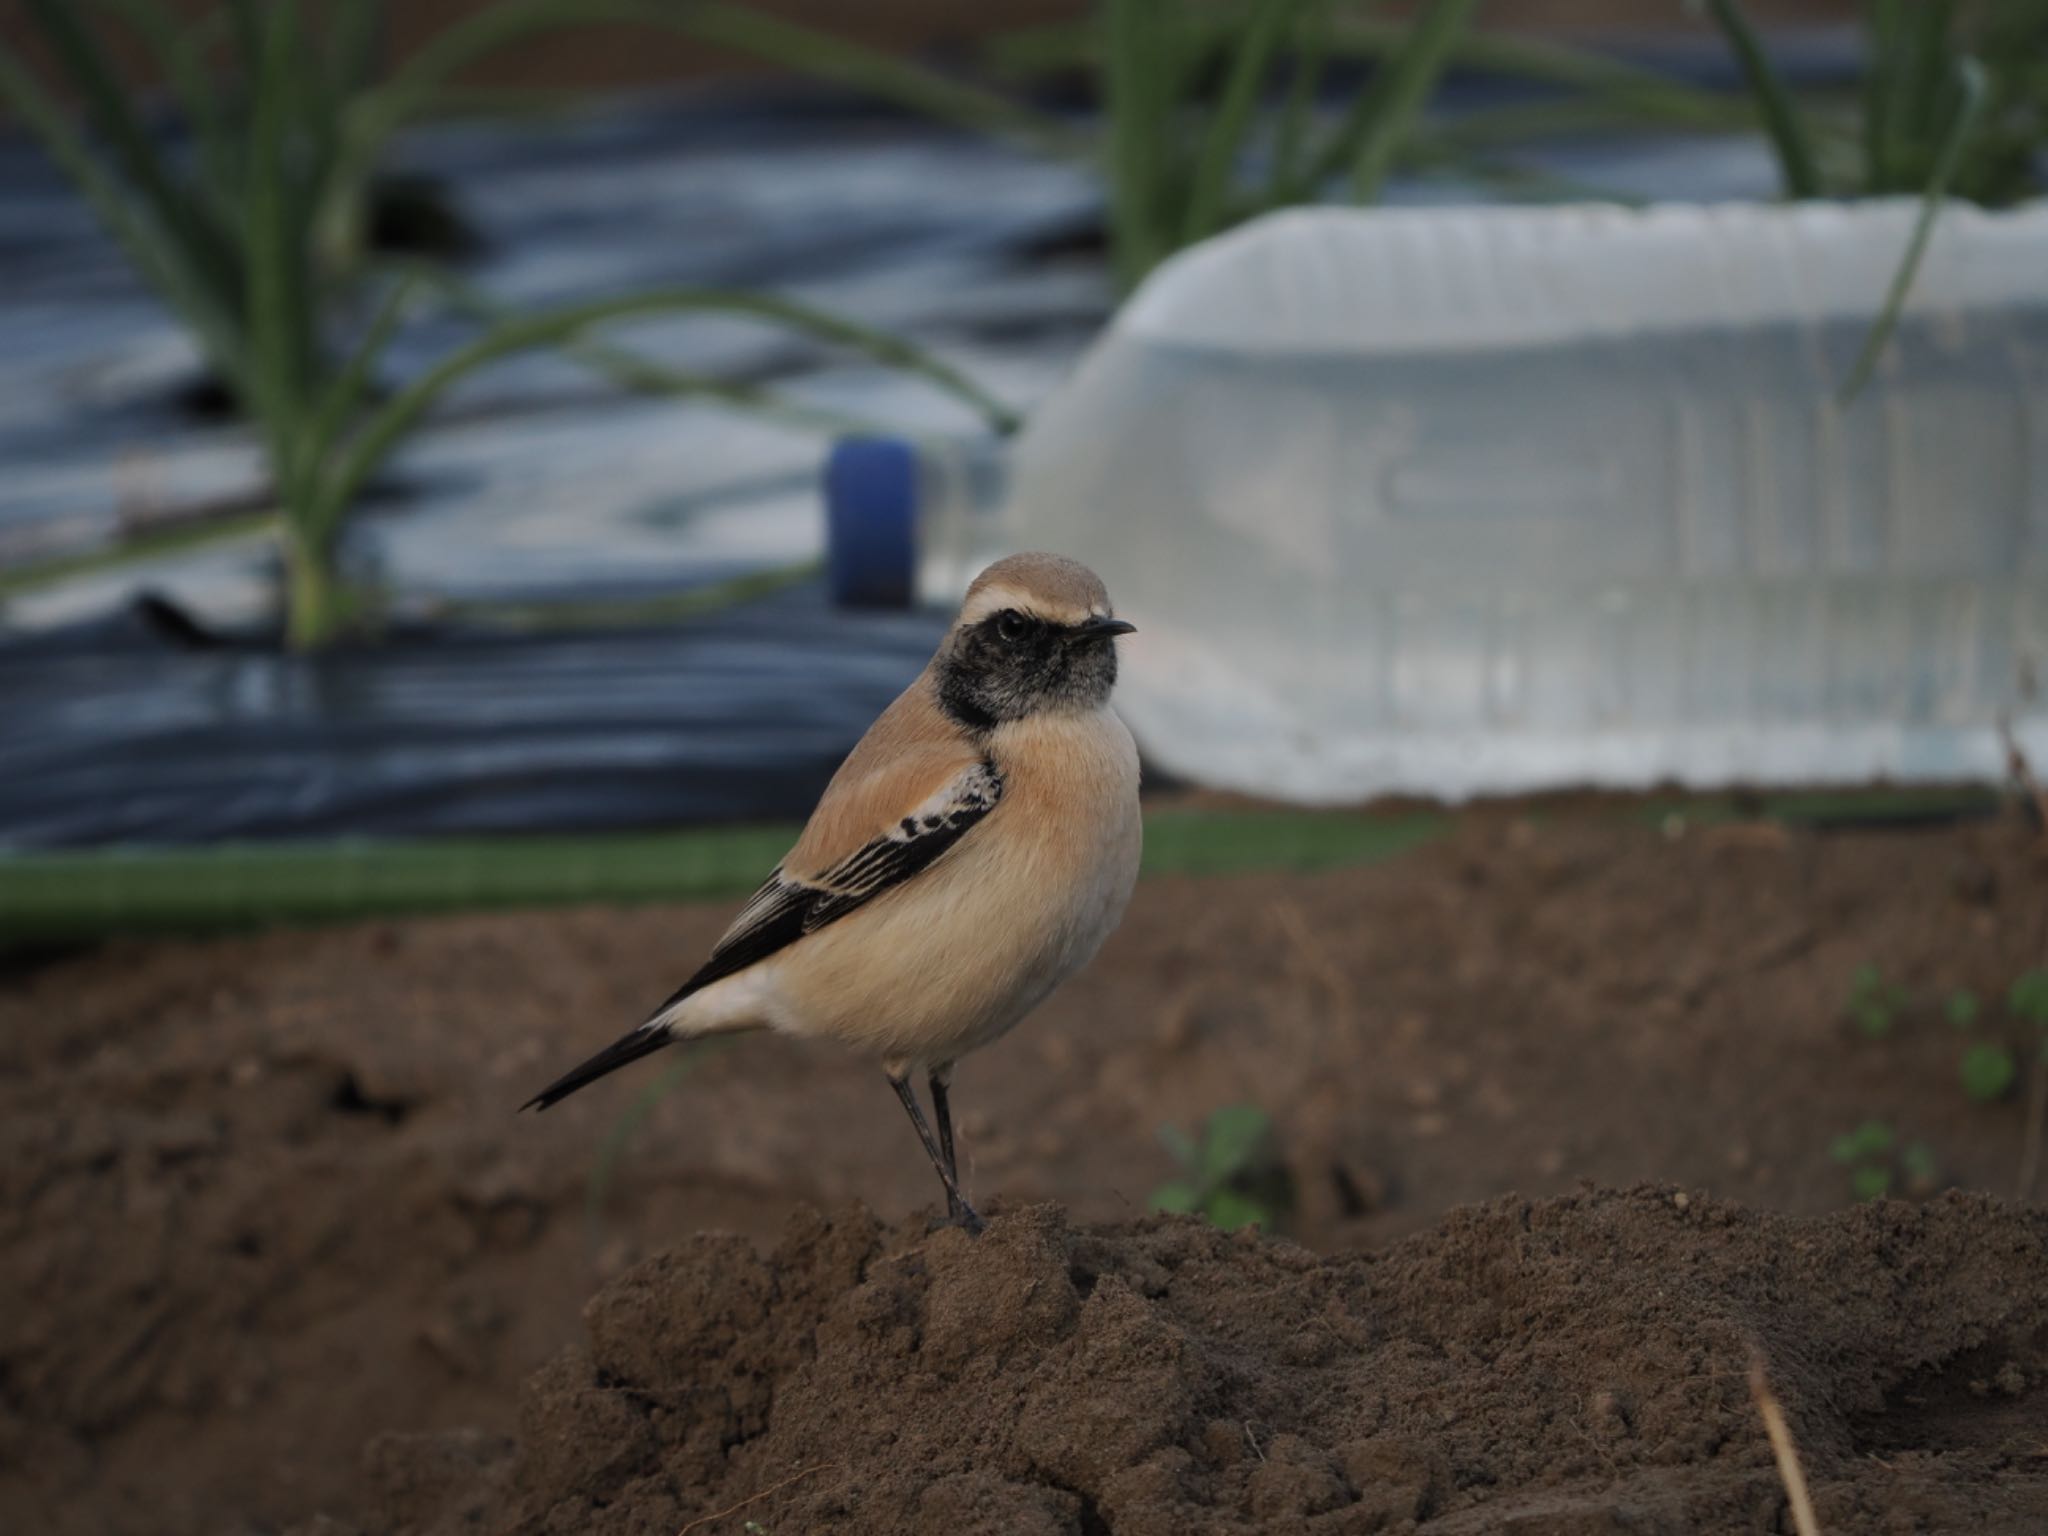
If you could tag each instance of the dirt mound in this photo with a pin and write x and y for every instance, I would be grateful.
(1577, 1364)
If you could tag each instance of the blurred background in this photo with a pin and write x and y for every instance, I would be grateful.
(1579, 471)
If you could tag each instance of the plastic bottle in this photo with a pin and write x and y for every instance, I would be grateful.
(1489, 499)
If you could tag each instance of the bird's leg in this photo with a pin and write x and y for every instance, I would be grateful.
(956, 1205)
(943, 1113)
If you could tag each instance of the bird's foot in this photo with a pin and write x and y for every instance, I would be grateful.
(962, 1216)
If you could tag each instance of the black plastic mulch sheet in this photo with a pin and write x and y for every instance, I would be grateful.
(113, 734)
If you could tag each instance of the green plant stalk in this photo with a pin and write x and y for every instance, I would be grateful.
(358, 43)
(156, 255)
(278, 300)
(1230, 124)
(318, 95)
(318, 478)
(245, 17)
(1345, 146)
(1312, 51)
(1641, 91)
(1414, 75)
(876, 73)
(535, 102)
(1138, 108)
(154, 544)
(1446, 157)
(1932, 67)
(1910, 61)
(1588, 112)
(1781, 118)
(343, 479)
(346, 391)
(1340, 148)
(179, 49)
(1881, 28)
(643, 376)
(181, 217)
(1027, 52)
(314, 601)
(279, 327)
(1970, 111)
(191, 57)
(417, 83)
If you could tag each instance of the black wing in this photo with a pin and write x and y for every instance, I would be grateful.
(786, 908)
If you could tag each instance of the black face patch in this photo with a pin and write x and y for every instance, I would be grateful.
(1013, 664)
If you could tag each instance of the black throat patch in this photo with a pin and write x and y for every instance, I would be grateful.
(1012, 665)
(958, 699)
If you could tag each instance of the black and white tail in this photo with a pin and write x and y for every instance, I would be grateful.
(644, 1041)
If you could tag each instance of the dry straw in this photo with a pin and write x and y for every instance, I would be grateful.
(1782, 1449)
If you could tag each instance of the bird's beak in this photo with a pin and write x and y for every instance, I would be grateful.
(1102, 629)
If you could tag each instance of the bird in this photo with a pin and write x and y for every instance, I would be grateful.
(971, 854)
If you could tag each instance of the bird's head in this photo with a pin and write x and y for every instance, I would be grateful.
(1034, 635)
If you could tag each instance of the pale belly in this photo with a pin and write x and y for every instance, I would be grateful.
(958, 955)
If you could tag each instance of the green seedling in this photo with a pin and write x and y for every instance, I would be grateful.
(1918, 1162)
(1988, 1072)
(1996, 1053)
(1874, 1003)
(1875, 1160)
(1867, 1153)
(2028, 1002)
(1231, 1176)
(1989, 1068)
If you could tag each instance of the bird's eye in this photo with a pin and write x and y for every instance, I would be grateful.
(1012, 625)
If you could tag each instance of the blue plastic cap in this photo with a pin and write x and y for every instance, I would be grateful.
(871, 522)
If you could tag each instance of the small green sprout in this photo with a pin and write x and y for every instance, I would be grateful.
(1962, 1008)
(1867, 1153)
(2028, 999)
(1918, 1161)
(1988, 1071)
(1874, 1003)
(1875, 1160)
(2028, 1002)
(1231, 1176)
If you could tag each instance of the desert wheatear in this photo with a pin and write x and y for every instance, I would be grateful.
(970, 855)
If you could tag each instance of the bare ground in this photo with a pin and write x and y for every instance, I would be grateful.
(267, 1201)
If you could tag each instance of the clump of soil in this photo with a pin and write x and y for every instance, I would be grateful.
(1575, 1364)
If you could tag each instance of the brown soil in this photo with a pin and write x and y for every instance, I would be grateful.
(264, 1201)
(1565, 1365)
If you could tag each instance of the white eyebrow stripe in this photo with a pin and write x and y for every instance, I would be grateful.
(992, 600)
